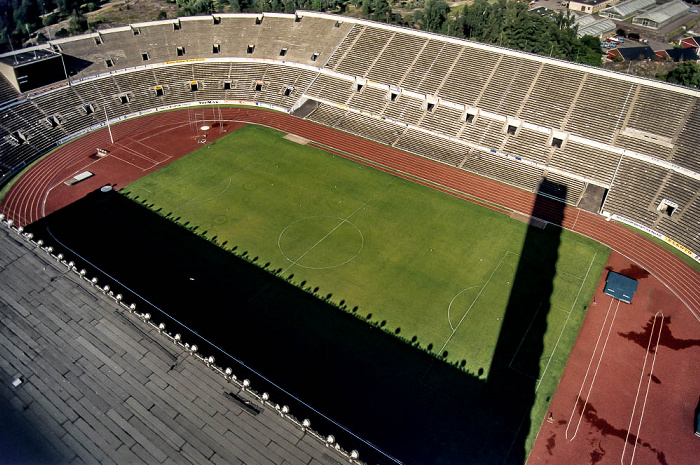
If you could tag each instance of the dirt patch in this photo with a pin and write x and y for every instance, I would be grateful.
(298, 139)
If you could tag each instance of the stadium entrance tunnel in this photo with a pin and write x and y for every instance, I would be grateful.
(593, 198)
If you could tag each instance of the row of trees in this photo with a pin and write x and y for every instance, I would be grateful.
(686, 74)
(19, 19)
(505, 23)
(510, 24)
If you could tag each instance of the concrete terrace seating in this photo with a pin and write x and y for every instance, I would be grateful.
(380, 131)
(7, 91)
(689, 140)
(528, 144)
(659, 111)
(550, 99)
(370, 99)
(518, 101)
(327, 115)
(444, 120)
(635, 185)
(600, 108)
(469, 76)
(508, 87)
(396, 59)
(574, 188)
(431, 67)
(405, 109)
(359, 59)
(442, 150)
(504, 170)
(331, 88)
(595, 164)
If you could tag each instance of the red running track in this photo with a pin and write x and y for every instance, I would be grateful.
(39, 192)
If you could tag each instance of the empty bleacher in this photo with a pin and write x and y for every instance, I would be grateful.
(380, 131)
(364, 51)
(634, 189)
(550, 100)
(600, 108)
(405, 109)
(444, 120)
(563, 188)
(431, 67)
(331, 88)
(326, 114)
(659, 111)
(504, 170)
(590, 162)
(396, 59)
(509, 85)
(528, 144)
(469, 75)
(370, 99)
(442, 150)
(686, 153)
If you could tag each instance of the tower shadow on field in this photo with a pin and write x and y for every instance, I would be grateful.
(519, 358)
(409, 405)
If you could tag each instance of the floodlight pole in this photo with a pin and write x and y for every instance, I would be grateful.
(109, 128)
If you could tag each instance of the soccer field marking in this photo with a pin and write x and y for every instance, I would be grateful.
(342, 221)
(578, 294)
(595, 373)
(639, 386)
(454, 330)
(510, 365)
(449, 320)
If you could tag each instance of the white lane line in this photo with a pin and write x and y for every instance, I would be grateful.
(639, 386)
(595, 373)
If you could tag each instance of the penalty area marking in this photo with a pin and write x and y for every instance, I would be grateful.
(340, 223)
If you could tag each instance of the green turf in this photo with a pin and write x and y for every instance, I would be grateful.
(416, 262)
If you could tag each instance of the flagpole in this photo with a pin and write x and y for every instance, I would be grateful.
(109, 128)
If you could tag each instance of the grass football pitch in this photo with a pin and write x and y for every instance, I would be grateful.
(433, 269)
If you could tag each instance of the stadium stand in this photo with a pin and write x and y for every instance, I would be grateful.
(507, 115)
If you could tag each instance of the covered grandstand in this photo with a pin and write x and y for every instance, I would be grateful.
(507, 115)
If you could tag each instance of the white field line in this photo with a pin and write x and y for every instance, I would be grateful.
(595, 373)
(639, 387)
(342, 221)
(449, 320)
(578, 294)
(474, 302)
(539, 307)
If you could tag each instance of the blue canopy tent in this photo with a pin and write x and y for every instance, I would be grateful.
(620, 287)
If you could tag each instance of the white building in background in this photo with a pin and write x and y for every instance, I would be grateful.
(627, 9)
(662, 14)
(589, 25)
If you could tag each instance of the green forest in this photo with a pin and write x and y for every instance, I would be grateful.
(500, 22)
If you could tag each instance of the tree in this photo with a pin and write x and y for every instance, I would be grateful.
(686, 74)
(382, 10)
(434, 15)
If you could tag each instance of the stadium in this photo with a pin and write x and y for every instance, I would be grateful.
(555, 160)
